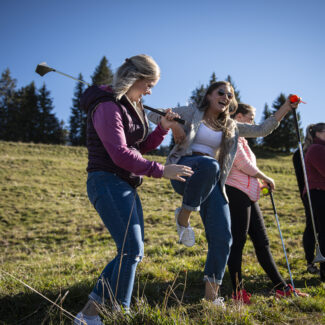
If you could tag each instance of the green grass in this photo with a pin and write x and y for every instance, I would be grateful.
(52, 239)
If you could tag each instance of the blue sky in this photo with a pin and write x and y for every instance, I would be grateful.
(267, 47)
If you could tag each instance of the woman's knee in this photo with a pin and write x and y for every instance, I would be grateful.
(223, 239)
(238, 243)
(209, 165)
(262, 247)
(133, 249)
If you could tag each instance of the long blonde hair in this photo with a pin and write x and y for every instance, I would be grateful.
(311, 134)
(223, 118)
(137, 67)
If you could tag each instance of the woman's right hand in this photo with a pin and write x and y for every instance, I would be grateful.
(174, 171)
(269, 182)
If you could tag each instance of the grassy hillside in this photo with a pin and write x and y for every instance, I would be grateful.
(52, 239)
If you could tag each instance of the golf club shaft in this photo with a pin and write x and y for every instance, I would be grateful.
(179, 120)
(145, 106)
(284, 250)
(66, 75)
(305, 176)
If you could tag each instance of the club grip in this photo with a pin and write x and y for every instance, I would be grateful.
(179, 120)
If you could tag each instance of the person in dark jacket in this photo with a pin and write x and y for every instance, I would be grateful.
(308, 238)
(117, 136)
(314, 148)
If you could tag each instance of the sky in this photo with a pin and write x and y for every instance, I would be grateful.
(267, 47)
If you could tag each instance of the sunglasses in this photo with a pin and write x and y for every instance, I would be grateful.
(229, 95)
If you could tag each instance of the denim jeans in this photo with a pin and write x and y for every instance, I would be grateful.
(201, 192)
(120, 208)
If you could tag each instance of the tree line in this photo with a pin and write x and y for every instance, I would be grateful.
(26, 114)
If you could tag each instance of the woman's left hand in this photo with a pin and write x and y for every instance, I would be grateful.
(269, 182)
(167, 121)
(292, 105)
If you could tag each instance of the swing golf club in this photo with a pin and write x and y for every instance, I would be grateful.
(42, 69)
(319, 258)
(284, 250)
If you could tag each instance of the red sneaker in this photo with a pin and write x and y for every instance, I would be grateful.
(242, 296)
(289, 291)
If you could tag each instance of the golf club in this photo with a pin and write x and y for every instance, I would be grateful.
(284, 250)
(319, 258)
(42, 69)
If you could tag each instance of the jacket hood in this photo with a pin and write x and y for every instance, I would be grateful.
(95, 94)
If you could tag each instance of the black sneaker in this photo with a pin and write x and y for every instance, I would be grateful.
(322, 275)
(312, 268)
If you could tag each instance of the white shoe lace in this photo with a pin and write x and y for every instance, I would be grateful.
(219, 302)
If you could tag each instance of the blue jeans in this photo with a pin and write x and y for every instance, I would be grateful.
(119, 207)
(201, 192)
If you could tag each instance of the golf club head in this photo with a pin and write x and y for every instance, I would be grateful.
(319, 258)
(43, 69)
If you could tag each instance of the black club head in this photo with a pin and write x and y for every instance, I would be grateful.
(43, 69)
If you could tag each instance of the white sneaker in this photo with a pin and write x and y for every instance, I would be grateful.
(186, 234)
(82, 319)
(219, 302)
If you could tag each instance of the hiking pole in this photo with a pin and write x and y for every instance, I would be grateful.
(319, 258)
(284, 250)
(42, 69)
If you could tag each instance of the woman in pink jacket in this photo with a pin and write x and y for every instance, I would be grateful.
(243, 191)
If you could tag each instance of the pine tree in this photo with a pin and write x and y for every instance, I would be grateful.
(103, 74)
(266, 112)
(284, 138)
(197, 95)
(7, 99)
(50, 129)
(237, 92)
(213, 78)
(28, 114)
(78, 118)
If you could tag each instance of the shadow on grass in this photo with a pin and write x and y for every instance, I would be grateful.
(31, 308)
(262, 285)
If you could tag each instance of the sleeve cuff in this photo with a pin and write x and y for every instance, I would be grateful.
(161, 129)
(159, 171)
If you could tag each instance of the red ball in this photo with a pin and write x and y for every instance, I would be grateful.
(294, 98)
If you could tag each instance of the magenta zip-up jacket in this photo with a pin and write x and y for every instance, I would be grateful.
(117, 137)
(315, 165)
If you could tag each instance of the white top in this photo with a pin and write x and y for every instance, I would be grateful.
(207, 140)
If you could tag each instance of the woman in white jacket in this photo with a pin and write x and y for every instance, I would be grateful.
(209, 148)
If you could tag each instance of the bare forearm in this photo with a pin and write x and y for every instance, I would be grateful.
(261, 175)
(282, 112)
(266, 179)
(285, 109)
